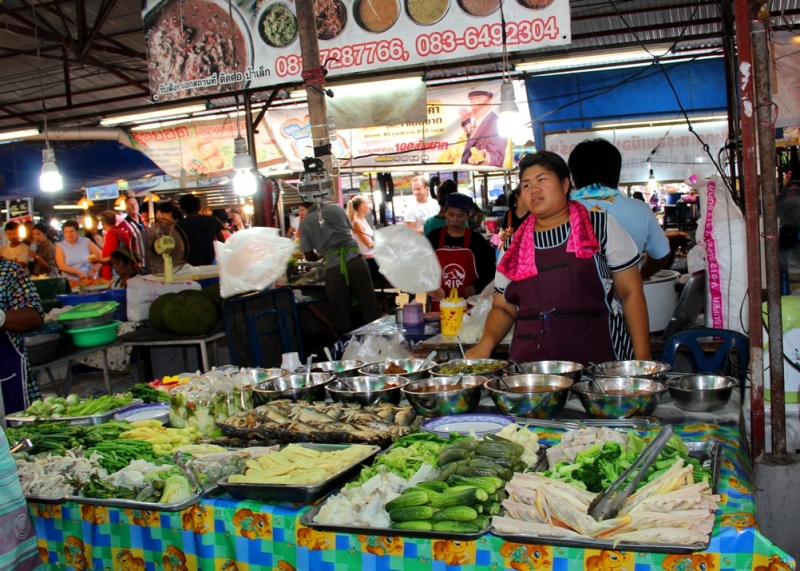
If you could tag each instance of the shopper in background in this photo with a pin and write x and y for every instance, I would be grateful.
(96, 237)
(134, 225)
(126, 265)
(347, 271)
(115, 237)
(422, 208)
(165, 211)
(201, 231)
(20, 312)
(236, 220)
(447, 188)
(595, 167)
(44, 258)
(222, 215)
(27, 230)
(513, 218)
(16, 250)
(72, 253)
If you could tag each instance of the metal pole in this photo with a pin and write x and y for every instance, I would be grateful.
(769, 188)
(259, 216)
(317, 111)
(751, 204)
(731, 88)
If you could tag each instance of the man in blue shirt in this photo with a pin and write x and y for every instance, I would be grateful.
(595, 167)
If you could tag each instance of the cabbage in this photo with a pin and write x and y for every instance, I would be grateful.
(176, 490)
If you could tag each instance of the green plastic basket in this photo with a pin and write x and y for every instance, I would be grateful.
(94, 336)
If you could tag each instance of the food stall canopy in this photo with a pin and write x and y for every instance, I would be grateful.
(575, 100)
(81, 164)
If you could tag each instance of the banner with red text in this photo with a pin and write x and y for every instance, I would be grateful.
(197, 47)
(462, 128)
(202, 149)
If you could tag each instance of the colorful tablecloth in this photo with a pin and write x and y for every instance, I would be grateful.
(223, 534)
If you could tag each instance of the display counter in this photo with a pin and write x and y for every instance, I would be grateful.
(223, 534)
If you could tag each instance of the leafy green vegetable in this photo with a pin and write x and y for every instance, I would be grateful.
(407, 456)
(176, 489)
(147, 393)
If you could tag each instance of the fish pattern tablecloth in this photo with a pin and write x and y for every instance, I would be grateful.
(222, 534)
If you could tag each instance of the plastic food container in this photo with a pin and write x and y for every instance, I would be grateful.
(88, 315)
(452, 311)
(94, 336)
(41, 348)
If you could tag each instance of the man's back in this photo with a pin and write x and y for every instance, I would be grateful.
(200, 231)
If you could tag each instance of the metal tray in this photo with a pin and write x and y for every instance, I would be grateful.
(706, 452)
(40, 500)
(133, 504)
(289, 493)
(573, 424)
(307, 520)
(74, 420)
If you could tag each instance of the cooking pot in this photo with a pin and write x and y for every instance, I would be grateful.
(661, 297)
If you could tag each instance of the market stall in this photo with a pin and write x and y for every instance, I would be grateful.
(223, 533)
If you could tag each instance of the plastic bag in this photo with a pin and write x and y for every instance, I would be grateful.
(373, 348)
(142, 291)
(407, 259)
(252, 260)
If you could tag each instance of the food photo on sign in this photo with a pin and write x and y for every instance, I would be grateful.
(191, 51)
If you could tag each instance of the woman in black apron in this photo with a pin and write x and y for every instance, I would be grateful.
(569, 281)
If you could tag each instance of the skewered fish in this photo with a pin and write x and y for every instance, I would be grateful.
(333, 423)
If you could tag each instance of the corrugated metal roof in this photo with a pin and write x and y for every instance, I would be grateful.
(112, 73)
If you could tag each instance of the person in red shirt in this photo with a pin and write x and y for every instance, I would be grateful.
(115, 237)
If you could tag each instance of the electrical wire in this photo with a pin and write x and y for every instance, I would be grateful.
(39, 70)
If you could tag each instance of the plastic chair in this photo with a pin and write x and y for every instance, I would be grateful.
(711, 365)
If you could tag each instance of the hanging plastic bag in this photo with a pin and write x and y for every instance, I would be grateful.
(252, 260)
(407, 259)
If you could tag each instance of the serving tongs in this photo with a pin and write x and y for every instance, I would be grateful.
(607, 505)
(189, 473)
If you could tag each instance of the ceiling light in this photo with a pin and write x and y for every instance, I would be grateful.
(67, 207)
(244, 183)
(88, 222)
(55, 224)
(85, 203)
(151, 196)
(159, 113)
(248, 209)
(509, 112)
(652, 183)
(656, 121)
(297, 94)
(20, 134)
(50, 180)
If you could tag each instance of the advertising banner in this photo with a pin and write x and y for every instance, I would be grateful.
(202, 149)
(462, 128)
(198, 47)
(19, 210)
(678, 151)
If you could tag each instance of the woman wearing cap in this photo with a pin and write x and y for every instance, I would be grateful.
(569, 282)
(466, 258)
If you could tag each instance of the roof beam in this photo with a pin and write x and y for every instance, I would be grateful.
(67, 83)
(94, 103)
(116, 73)
(14, 113)
(74, 94)
(80, 8)
(67, 34)
(648, 28)
(102, 15)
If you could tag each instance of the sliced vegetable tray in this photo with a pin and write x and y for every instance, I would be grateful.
(289, 493)
(90, 420)
(210, 491)
(705, 452)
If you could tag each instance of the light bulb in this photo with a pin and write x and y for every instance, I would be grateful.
(244, 183)
(88, 222)
(652, 183)
(23, 232)
(50, 179)
(248, 209)
(55, 225)
(509, 112)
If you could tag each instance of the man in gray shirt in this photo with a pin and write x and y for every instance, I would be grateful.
(326, 232)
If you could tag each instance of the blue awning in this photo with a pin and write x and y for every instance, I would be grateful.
(81, 164)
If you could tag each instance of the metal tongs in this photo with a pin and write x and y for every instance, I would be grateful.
(607, 505)
(189, 473)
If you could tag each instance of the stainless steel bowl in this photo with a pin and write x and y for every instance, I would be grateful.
(532, 396)
(623, 402)
(561, 368)
(260, 375)
(702, 393)
(379, 368)
(368, 390)
(653, 370)
(433, 397)
(342, 369)
(308, 387)
(448, 369)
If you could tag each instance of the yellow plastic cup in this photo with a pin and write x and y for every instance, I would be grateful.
(452, 314)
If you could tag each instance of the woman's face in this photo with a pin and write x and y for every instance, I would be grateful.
(542, 193)
(70, 234)
(456, 219)
(38, 235)
(364, 208)
(302, 211)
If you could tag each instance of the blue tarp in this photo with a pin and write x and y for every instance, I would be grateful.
(81, 164)
(573, 101)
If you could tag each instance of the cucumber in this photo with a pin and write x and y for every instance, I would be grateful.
(501, 495)
(470, 472)
(412, 525)
(481, 521)
(490, 508)
(488, 484)
(446, 472)
(504, 462)
(431, 494)
(455, 527)
(456, 513)
(459, 498)
(495, 450)
(520, 467)
(435, 486)
(517, 448)
(452, 455)
(483, 462)
(408, 500)
(416, 513)
(466, 444)
(492, 497)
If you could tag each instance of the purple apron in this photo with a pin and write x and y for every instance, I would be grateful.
(13, 375)
(563, 311)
